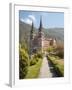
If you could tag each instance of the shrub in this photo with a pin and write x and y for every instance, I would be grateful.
(23, 63)
(58, 65)
(32, 62)
(39, 55)
(60, 51)
(50, 49)
(35, 58)
(34, 70)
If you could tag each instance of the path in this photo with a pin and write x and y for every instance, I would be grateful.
(46, 70)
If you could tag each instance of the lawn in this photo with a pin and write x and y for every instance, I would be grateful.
(33, 71)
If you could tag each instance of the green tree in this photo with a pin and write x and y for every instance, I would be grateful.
(31, 32)
(23, 63)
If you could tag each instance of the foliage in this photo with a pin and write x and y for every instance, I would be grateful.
(35, 64)
(28, 67)
(60, 51)
(50, 49)
(31, 32)
(35, 58)
(23, 63)
(58, 65)
(33, 71)
(39, 55)
(24, 46)
(33, 61)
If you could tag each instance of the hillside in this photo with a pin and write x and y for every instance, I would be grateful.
(57, 33)
(24, 30)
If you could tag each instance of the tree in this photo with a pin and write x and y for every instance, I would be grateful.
(23, 63)
(31, 32)
(31, 40)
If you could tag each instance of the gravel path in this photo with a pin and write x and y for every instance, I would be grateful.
(46, 70)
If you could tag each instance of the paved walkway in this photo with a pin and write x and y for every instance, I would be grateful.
(45, 71)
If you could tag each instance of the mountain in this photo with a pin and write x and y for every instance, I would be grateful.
(24, 33)
(57, 33)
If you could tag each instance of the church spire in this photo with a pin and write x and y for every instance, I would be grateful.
(40, 28)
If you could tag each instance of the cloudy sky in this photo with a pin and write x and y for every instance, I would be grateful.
(49, 19)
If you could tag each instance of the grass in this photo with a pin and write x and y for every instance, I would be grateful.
(33, 71)
(58, 65)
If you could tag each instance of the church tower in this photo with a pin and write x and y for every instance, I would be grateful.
(40, 27)
(40, 35)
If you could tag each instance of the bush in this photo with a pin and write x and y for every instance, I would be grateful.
(50, 49)
(23, 63)
(34, 70)
(58, 65)
(39, 55)
(33, 62)
(35, 58)
(60, 51)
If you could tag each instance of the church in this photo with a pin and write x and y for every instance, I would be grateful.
(38, 41)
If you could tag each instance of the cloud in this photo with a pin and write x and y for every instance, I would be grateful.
(26, 20)
(29, 19)
(32, 17)
(22, 20)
